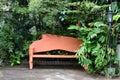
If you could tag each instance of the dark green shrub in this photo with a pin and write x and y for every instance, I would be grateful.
(14, 32)
(84, 11)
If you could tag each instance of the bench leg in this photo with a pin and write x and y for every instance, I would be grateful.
(31, 58)
(31, 62)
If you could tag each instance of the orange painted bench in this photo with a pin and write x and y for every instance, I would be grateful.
(50, 42)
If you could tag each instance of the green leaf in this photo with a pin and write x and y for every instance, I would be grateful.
(18, 62)
(116, 17)
(117, 26)
(12, 64)
(99, 24)
(114, 6)
(73, 27)
(102, 39)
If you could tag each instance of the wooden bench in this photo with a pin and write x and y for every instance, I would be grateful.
(51, 42)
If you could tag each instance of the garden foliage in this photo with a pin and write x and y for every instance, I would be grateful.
(94, 54)
(23, 21)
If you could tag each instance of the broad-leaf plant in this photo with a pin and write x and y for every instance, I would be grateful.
(94, 54)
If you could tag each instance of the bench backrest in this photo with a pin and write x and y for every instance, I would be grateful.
(54, 42)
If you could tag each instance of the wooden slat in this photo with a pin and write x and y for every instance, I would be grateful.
(54, 56)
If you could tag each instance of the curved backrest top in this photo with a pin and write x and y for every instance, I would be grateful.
(55, 42)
